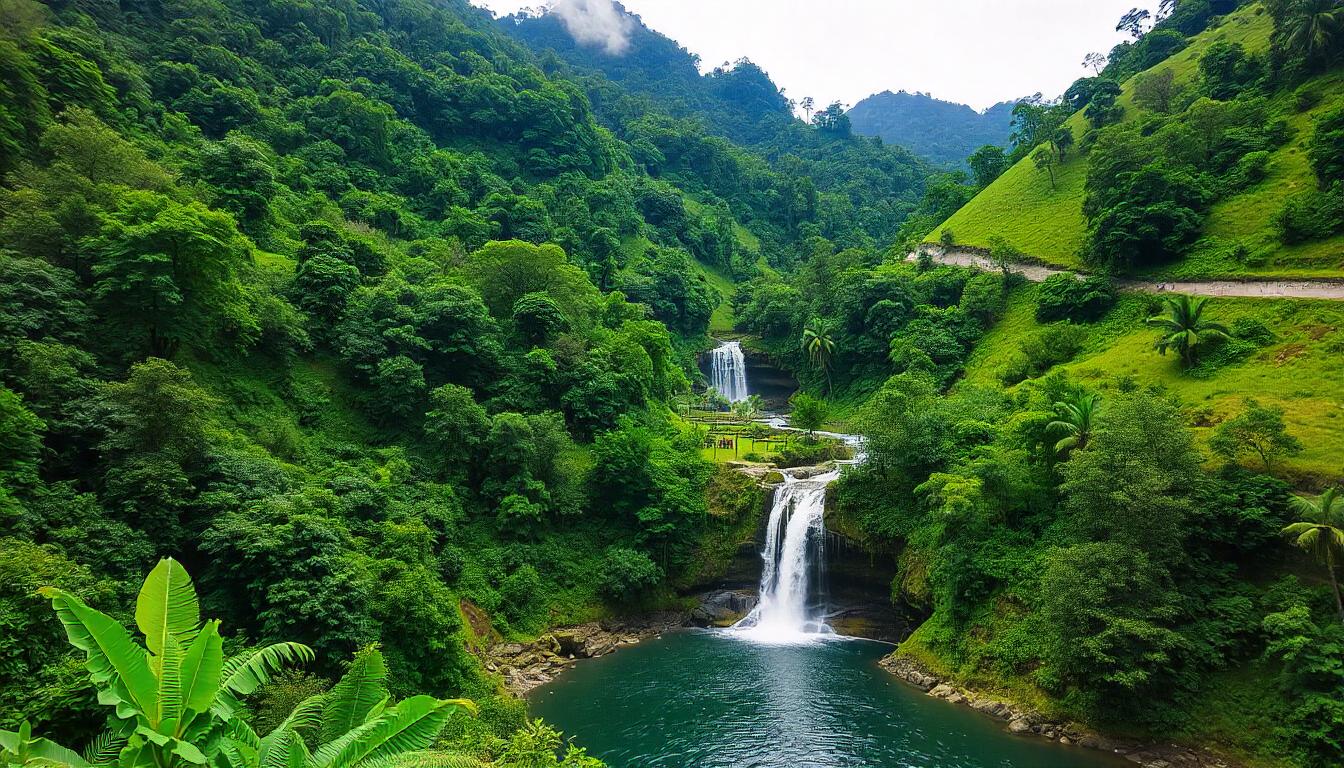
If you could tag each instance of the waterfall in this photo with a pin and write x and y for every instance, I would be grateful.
(793, 555)
(728, 371)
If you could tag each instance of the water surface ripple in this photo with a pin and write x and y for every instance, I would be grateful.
(703, 699)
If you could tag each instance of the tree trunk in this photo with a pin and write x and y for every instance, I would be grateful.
(1334, 587)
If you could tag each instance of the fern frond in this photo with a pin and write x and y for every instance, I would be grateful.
(104, 748)
(410, 726)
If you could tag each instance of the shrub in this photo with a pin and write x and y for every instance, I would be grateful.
(1048, 347)
(1252, 330)
(947, 238)
(1326, 150)
(1312, 216)
(1306, 97)
(626, 573)
(1065, 297)
(1250, 170)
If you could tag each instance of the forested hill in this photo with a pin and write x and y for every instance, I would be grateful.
(943, 132)
(650, 86)
(358, 311)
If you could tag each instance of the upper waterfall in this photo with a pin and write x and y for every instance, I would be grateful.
(728, 371)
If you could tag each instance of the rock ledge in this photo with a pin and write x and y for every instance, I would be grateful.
(1021, 720)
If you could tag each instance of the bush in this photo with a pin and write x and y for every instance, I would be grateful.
(947, 238)
(1306, 97)
(802, 454)
(1312, 216)
(1065, 297)
(1250, 170)
(626, 574)
(1252, 330)
(1326, 150)
(1048, 347)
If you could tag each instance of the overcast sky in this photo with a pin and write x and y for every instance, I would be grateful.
(976, 52)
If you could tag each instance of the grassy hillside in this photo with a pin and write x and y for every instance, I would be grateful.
(1239, 237)
(1301, 370)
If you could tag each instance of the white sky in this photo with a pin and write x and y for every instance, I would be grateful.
(976, 52)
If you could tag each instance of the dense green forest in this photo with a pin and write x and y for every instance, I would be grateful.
(363, 316)
(376, 317)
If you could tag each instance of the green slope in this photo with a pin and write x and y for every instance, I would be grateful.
(1048, 224)
(1301, 371)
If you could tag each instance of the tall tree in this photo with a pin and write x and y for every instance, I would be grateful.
(171, 269)
(1321, 532)
(1314, 30)
(820, 346)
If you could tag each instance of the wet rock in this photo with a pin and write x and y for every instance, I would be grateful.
(717, 609)
(1019, 725)
(992, 708)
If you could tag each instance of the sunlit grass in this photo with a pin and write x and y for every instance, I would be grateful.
(1240, 237)
(1301, 372)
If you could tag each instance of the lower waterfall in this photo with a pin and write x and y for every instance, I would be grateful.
(792, 563)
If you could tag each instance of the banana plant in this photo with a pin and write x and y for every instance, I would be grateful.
(177, 699)
(354, 725)
(21, 749)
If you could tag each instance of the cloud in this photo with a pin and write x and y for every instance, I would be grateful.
(596, 22)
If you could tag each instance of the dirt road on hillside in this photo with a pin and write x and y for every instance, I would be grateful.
(1330, 290)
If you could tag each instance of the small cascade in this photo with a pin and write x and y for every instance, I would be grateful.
(728, 371)
(792, 561)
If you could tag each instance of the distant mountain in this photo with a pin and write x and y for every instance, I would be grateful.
(939, 131)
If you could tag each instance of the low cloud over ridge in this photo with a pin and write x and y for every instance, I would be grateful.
(595, 22)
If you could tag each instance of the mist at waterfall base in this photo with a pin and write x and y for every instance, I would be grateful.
(728, 371)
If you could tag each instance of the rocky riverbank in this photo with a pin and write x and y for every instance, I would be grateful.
(524, 666)
(1021, 720)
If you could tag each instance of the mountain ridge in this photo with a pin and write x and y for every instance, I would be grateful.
(942, 132)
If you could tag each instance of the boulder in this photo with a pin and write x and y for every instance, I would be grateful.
(1019, 725)
(721, 608)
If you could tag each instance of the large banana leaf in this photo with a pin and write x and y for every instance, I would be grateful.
(167, 605)
(410, 726)
(246, 672)
(354, 698)
(22, 748)
(202, 669)
(277, 745)
(117, 666)
(285, 749)
(167, 668)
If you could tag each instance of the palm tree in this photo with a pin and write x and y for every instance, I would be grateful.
(1312, 28)
(177, 696)
(748, 409)
(1185, 329)
(1075, 421)
(819, 345)
(1321, 532)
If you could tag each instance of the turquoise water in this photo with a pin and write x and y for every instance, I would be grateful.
(701, 699)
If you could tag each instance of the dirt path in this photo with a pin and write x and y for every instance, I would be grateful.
(1332, 290)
